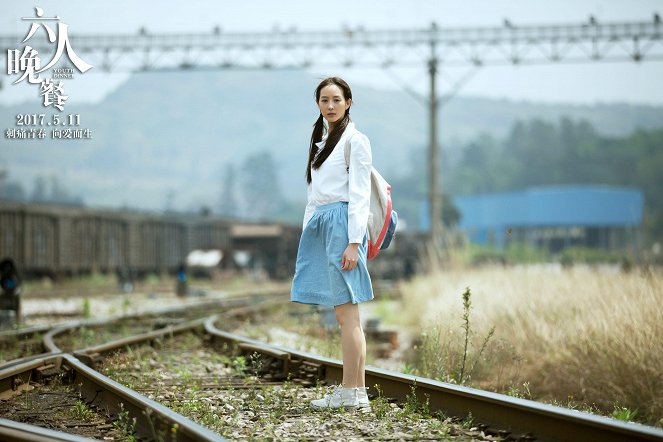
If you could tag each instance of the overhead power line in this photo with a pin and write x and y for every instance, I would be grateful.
(434, 48)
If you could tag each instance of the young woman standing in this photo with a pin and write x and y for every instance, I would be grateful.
(331, 259)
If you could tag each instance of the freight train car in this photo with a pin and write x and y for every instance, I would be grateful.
(49, 240)
(271, 246)
(57, 240)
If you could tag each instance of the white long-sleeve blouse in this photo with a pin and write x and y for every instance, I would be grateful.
(331, 182)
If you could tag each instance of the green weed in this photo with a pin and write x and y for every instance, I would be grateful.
(525, 393)
(380, 405)
(82, 411)
(468, 421)
(87, 308)
(414, 408)
(624, 413)
(126, 426)
(442, 357)
(239, 365)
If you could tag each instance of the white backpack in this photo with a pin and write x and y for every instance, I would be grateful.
(382, 219)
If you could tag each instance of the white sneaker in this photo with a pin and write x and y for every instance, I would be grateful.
(339, 397)
(362, 397)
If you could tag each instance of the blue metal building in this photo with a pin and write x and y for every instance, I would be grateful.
(555, 217)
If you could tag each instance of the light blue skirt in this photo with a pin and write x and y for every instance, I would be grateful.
(318, 276)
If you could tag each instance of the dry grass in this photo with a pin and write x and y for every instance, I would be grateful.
(571, 336)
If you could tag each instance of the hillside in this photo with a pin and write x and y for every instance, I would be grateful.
(167, 138)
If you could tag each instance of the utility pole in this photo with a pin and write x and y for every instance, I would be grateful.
(382, 49)
(435, 202)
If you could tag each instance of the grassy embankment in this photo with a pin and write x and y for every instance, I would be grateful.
(579, 337)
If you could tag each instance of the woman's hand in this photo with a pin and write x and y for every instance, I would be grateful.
(350, 256)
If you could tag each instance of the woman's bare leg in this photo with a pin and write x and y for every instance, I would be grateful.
(353, 344)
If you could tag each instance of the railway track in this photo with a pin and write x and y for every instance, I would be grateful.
(33, 378)
(25, 344)
(16, 345)
(13, 431)
(203, 371)
(240, 389)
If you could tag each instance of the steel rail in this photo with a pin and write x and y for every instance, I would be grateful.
(11, 431)
(51, 349)
(94, 354)
(230, 302)
(25, 359)
(526, 418)
(152, 418)
(519, 417)
(21, 334)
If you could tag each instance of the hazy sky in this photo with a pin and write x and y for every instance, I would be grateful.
(580, 83)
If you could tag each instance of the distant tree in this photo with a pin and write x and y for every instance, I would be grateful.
(476, 172)
(537, 153)
(531, 152)
(450, 213)
(13, 191)
(261, 192)
(10, 190)
(410, 190)
(50, 190)
(228, 201)
(39, 191)
(647, 148)
(204, 211)
(58, 193)
(169, 204)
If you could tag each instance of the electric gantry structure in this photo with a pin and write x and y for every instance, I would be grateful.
(432, 48)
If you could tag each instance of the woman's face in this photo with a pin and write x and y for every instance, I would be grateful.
(332, 104)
